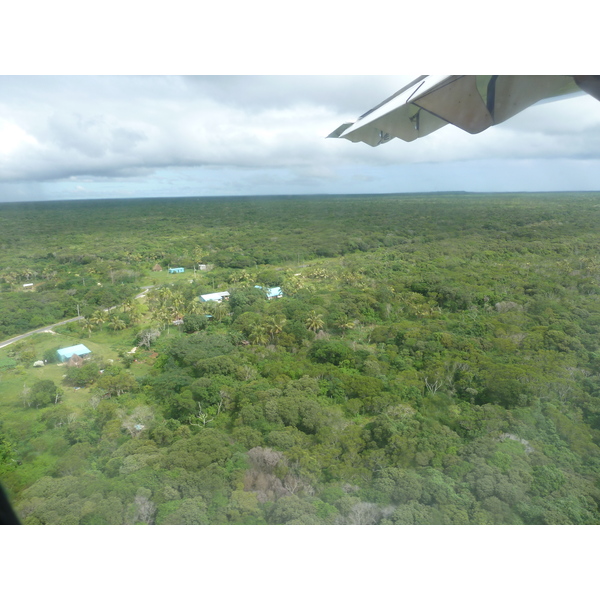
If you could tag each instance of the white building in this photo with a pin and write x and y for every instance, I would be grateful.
(215, 297)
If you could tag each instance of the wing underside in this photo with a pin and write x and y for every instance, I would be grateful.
(471, 102)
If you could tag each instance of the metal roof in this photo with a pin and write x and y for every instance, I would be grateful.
(217, 296)
(274, 292)
(271, 292)
(79, 349)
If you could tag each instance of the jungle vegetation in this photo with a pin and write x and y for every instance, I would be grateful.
(435, 359)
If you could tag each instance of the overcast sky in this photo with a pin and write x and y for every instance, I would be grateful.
(65, 136)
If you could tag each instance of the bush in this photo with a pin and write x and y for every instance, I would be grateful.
(44, 392)
(193, 323)
(51, 355)
(333, 352)
(84, 375)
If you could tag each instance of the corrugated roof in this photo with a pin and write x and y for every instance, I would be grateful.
(79, 349)
(214, 296)
(273, 292)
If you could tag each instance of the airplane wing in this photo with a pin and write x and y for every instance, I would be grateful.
(471, 102)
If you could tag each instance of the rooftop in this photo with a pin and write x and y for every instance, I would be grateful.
(79, 349)
(216, 296)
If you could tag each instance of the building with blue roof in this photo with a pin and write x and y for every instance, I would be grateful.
(65, 354)
(274, 292)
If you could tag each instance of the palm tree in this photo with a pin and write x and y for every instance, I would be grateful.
(87, 326)
(274, 325)
(258, 334)
(98, 318)
(219, 311)
(194, 308)
(198, 254)
(178, 304)
(173, 313)
(344, 323)
(314, 321)
(152, 298)
(245, 276)
(127, 306)
(116, 324)
(161, 296)
(292, 285)
(135, 314)
(163, 316)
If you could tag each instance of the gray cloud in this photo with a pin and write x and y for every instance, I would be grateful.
(99, 128)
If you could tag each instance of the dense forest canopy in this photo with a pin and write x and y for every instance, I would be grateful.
(434, 359)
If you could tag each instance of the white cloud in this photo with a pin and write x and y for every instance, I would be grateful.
(12, 138)
(269, 130)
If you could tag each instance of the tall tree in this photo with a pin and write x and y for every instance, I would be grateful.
(258, 334)
(87, 326)
(314, 321)
(116, 324)
(274, 325)
(98, 318)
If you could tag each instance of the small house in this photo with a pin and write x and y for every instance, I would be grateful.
(203, 267)
(65, 354)
(176, 270)
(215, 297)
(156, 268)
(274, 292)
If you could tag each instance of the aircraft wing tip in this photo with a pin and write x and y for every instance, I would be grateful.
(340, 130)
